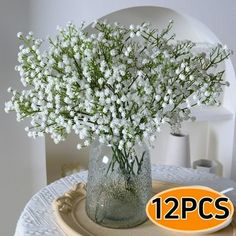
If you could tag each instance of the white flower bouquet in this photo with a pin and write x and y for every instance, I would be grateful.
(118, 84)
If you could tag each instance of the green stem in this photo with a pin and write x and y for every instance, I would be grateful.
(129, 166)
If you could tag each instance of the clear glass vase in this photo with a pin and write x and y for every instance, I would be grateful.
(119, 185)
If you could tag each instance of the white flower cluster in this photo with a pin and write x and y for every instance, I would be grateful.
(118, 84)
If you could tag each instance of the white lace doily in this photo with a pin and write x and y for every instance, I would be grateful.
(37, 217)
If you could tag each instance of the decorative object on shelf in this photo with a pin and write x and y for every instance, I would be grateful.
(117, 194)
(178, 150)
(206, 165)
(71, 216)
(118, 84)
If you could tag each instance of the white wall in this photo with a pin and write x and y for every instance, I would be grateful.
(218, 15)
(22, 160)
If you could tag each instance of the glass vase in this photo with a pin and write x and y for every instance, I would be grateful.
(119, 185)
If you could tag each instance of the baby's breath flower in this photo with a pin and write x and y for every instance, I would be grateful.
(110, 85)
(19, 35)
(79, 146)
(132, 34)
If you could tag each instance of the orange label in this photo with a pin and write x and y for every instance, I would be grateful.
(190, 209)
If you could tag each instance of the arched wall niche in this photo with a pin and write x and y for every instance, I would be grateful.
(207, 135)
(185, 27)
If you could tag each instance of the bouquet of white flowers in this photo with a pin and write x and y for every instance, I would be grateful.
(118, 84)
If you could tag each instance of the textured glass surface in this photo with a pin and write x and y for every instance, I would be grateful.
(117, 198)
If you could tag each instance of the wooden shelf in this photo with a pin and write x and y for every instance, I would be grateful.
(212, 114)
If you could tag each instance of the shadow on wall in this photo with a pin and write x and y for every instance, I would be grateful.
(64, 155)
(213, 151)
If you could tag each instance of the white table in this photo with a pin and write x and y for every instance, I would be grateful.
(37, 217)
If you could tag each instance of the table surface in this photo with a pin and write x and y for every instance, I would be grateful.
(37, 217)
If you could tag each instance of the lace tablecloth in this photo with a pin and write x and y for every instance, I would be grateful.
(37, 217)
